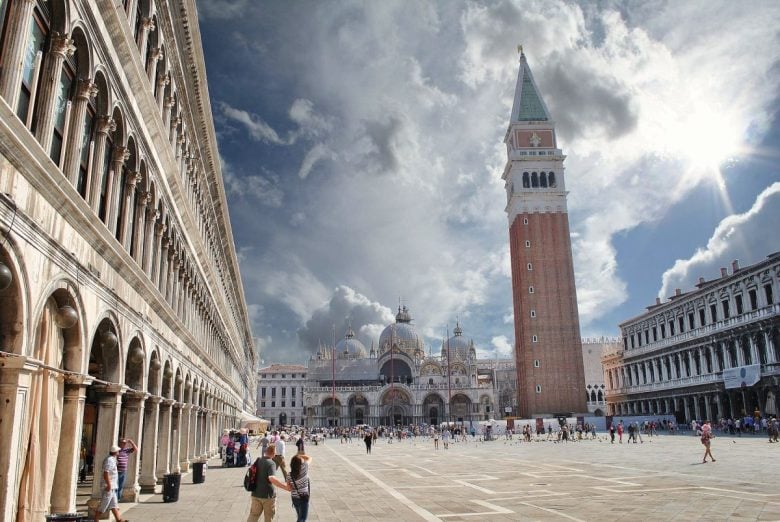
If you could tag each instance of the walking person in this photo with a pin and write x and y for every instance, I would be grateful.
(445, 438)
(299, 485)
(368, 438)
(110, 478)
(620, 432)
(612, 433)
(436, 440)
(263, 499)
(706, 437)
(126, 447)
(278, 458)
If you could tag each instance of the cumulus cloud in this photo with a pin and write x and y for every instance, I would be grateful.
(504, 347)
(421, 94)
(737, 237)
(345, 307)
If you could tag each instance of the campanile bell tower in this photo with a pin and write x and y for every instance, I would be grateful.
(548, 349)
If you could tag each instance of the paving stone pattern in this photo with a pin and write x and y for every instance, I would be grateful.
(660, 479)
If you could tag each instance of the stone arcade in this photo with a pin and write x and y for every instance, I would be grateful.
(121, 309)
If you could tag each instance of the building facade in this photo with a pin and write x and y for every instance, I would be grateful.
(548, 354)
(396, 383)
(121, 307)
(710, 353)
(280, 389)
(593, 350)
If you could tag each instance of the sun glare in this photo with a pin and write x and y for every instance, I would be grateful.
(709, 139)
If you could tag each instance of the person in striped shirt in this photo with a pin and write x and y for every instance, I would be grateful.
(298, 480)
(127, 446)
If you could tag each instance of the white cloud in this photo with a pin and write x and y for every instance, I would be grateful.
(737, 237)
(407, 105)
(503, 346)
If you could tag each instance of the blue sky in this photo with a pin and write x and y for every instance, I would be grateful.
(362, 152)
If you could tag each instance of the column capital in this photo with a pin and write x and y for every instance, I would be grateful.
(62, 45)
(111, 389)
(120, 154)
(159, 228)
(79, 379)
(170, 101)
(167, 402)
(175, 122)
(133, 178)
(86, 89)
(157, 54)
(163, 80)
(105, 125)
(136, 395)
(154, 399)
(147, 23)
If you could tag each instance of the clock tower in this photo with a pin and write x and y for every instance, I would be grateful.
(548, 348)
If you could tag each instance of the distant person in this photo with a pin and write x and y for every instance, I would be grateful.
(368, 438)
(279, 454)
(263, 499)
(706, 438)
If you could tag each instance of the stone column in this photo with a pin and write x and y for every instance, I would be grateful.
(174, 130)
(186, 438)
(109, 406)
(104, 125)
(162, 81)
(696, 407)
(162, 265)
(206, 435)
(153, 255)
(85, 91)
(176, 437)
(61, 46)
(139, 228)
(14, 49)
(157, 54)
(124, 209)
(63, 492)
(164, 439)
(147, 26)
(130, 13)
(708, 408)
(119, 157)
(150, 238)
(134, 429)
(149, 445)
(192, 446)
(753, 350)
(14, 392)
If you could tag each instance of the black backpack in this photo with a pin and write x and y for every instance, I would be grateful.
(250, 479)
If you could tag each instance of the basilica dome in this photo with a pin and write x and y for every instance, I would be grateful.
(403, 335)
(460, 348)
(350, 347)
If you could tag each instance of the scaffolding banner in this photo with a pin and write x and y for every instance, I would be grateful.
(741, 376)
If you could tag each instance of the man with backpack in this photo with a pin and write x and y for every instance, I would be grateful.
(263, 487)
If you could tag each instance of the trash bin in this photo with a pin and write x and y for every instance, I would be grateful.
(198, 472)
(171, 483)
(66, 517)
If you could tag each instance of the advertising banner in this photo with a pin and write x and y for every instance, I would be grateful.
(741, 376)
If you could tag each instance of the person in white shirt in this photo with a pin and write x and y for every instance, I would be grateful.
(279, 457)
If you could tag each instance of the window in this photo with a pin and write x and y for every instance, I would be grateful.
(262, 392)
(543, 180)
(530, 267)
(534, 180)
(293, 391)
(726, 309)
(738, 303)
(753, 299)
(293, 404)
(681, 324)
(633, 341)
(714, 313)
(527, 244)
(537, 363)
(262, 404)
(525, 221)
(534, 339)
(533, 313)
(62, 99)
(647, 336)
(691, 323)
(551, 179)
(663, 331)
(284, 392)
(768, 294)
(273, 392)
(702, 318)
(671, 327)
(655, 333)
(639, 338)
(32, 67)
(530, 289)
(273, 404)
(526, 180)
(538, 388)
(283, 404)
(284, 376)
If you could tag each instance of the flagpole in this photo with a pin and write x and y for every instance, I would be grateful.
(449, 379)
(333, 376)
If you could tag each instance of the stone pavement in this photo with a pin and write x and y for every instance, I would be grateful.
(663, 478)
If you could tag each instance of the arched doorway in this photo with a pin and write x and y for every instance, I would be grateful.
(358, 409)
(460, 408)
(53, 410)
(331, 411)
(396, 404)
(433, 409)
(282, 419)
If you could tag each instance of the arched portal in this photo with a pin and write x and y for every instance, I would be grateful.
(396, 406)
(460, 408)
(358, 409)
(433, 409)
(396, 370)
(331, 411)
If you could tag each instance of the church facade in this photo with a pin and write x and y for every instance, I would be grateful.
(396, 383)
(121, 307)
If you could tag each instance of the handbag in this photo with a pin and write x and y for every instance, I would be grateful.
(302, 496)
